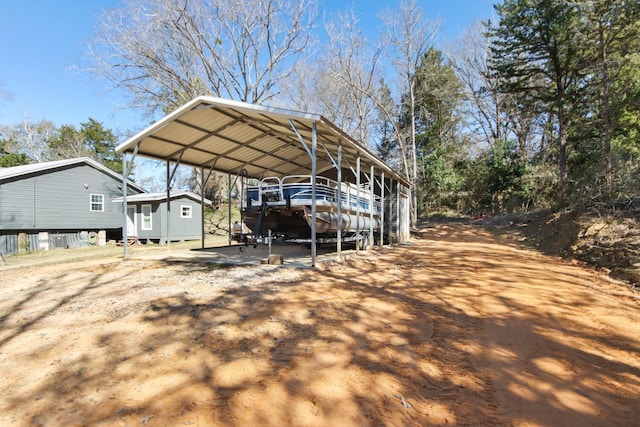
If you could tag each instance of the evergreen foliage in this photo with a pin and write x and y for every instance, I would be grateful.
(9, 158)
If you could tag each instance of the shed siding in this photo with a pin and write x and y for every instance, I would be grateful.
(180, 228)
(185, 228)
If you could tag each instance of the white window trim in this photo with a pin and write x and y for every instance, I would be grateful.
(189, 211)
(91, 202)
(143, 225)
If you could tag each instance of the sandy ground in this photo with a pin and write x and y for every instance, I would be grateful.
(456, 328)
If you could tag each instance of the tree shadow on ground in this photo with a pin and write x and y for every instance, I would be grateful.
(437, 332)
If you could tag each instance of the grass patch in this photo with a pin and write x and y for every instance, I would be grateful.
(218, 266)
(216, 221)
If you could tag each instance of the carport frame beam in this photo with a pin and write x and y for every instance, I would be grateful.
(126, 170)
(312, 153)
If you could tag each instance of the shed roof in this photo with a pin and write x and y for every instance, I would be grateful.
(161, 196)
(231, 136)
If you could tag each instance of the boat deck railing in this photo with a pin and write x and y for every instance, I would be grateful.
(298, 190)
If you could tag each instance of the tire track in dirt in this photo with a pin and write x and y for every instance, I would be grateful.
(454, 337)
(558, 345)
(455, 328)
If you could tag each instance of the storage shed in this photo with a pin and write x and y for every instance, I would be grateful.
(147, 214)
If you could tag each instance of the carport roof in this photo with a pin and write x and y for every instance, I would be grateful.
(229, 136)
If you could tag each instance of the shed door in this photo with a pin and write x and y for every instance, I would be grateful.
(132, 229)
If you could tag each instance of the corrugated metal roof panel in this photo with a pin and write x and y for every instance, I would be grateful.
(179, 131)
(228, 135)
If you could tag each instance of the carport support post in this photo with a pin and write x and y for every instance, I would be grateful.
(202, 204)
(358, 203)
(314, 146)
(168, 205)
(382, 210)
(372, 200)
(125, 232)
(230, 236)
(398, 210)
(391, 210)
(339, 213)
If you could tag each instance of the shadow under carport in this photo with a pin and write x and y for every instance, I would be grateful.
(293, 255)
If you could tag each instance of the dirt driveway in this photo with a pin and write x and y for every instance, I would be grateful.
(456, 328)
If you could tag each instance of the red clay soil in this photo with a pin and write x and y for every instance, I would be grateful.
(456, 328)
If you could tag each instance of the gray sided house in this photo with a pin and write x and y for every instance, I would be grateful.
(147, 216)
(58, 204)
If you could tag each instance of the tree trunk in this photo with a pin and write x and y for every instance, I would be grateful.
(606, 110)
(414, 154)
(562, 157)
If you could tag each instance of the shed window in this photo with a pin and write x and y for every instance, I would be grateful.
(146, 217)
(185, 211)
(96, 203)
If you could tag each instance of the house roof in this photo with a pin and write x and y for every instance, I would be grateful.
(232, 136)
(23, 170)
(161, 196)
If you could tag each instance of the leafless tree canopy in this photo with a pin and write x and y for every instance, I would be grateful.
(29, 137)
(340, 82)
(492, 115)
(409, 36)
(469, 58)
(165, 52)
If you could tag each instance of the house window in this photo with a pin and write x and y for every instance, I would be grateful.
(185, 211)
(146, 217)
(96, 203)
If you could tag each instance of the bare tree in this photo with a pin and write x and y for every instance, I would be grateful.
(67, 143)
(165, 52)
(484, 104)
(30, 138)
(315, 89)
(340, 82)
(496, 115)
(409, 36)
(356, 67)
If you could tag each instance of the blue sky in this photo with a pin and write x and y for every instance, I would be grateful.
(41, 40)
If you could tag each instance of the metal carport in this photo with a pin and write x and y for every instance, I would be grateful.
(216, 134)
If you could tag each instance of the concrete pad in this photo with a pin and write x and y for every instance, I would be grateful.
(292, 255)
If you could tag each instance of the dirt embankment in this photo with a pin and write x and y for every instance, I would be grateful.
(605, 236)
(457, 328)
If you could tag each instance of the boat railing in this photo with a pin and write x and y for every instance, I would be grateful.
(299, 188)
